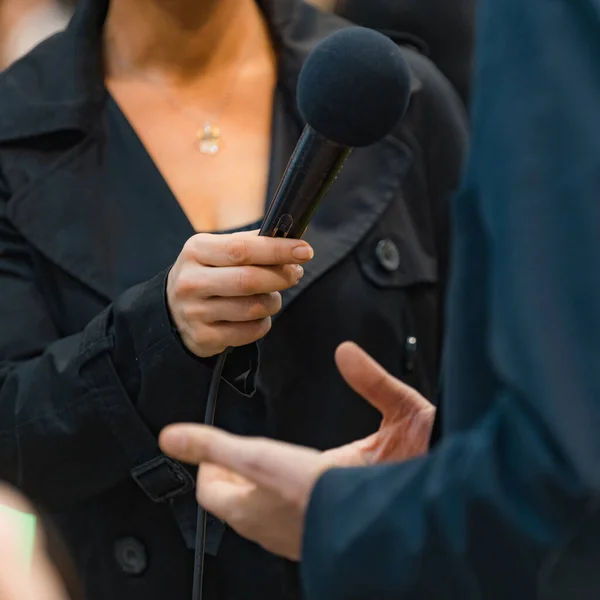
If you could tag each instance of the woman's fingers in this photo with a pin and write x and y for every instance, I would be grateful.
(246, 249)
(210, 340)
(235, 335)
(231, 322)
(238, 310)
(206, 282)
(223, 289)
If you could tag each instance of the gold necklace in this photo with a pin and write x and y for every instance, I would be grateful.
(208, 135)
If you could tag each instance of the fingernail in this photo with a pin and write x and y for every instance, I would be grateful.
(303, 252)
(300, 272)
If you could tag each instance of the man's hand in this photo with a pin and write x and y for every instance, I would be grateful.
(407, 417)
(261, 488)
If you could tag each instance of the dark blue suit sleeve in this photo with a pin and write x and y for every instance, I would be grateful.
(507, 506)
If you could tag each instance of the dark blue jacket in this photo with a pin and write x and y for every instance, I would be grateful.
(507, 505)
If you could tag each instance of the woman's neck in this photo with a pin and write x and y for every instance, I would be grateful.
(183, 41)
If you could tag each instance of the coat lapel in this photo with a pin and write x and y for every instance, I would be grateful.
(357, 200)
(79, 220)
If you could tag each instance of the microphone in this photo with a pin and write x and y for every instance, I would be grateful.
(353, 89)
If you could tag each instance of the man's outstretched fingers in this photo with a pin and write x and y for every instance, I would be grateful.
(267, 463)
(371, 381)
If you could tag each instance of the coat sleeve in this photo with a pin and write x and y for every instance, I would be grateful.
(507, 505)
(78, 413)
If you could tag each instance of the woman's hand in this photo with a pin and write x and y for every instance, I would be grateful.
(262, 488)
(224, 289)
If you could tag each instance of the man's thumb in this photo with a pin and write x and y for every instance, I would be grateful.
(371, 381)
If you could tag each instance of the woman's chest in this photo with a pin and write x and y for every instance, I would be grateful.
(215, 192)
(216, 171)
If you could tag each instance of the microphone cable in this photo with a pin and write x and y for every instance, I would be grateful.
(209, 419)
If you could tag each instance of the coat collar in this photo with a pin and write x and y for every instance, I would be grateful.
(59, 86)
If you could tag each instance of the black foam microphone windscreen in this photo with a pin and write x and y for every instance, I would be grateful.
(352, 90)
(354, 87)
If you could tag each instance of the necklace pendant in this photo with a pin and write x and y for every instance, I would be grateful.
(208, 139)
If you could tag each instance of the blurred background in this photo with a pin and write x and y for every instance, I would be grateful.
(440, 29)
(25, 23)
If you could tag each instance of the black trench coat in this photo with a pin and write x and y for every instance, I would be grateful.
(90, 367)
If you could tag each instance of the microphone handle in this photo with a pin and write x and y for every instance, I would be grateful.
(312, 169)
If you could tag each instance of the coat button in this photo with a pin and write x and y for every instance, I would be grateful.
(131, 556)
(388, 255)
